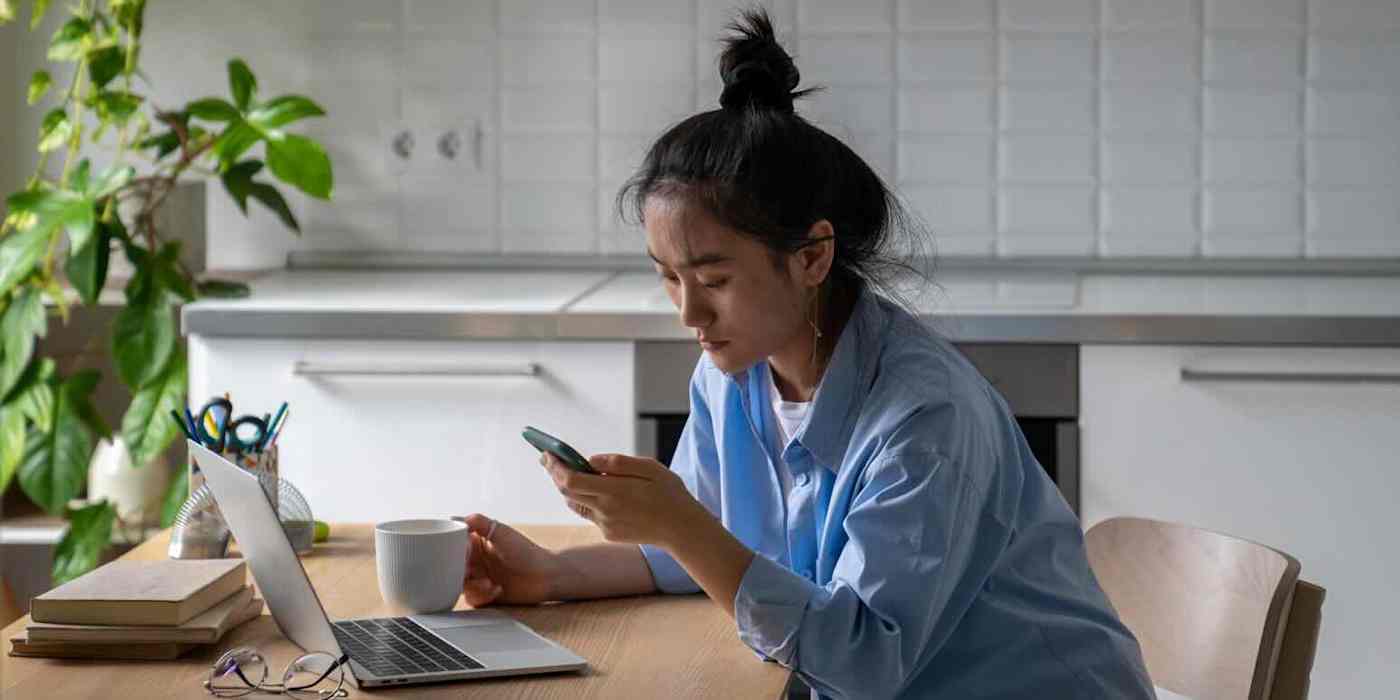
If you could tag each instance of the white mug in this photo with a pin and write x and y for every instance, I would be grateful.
(421, 563)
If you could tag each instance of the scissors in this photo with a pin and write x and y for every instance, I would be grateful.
(219, 431)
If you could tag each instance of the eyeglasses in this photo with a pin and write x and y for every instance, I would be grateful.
(243, 670)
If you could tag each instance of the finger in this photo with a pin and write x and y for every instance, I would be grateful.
(578, 482)
(481, 592)
(476, 522)
(625, 465)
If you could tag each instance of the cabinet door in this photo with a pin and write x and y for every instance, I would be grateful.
(1290, 447)
(398, 429)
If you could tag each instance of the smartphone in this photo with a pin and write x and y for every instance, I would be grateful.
(544, 442)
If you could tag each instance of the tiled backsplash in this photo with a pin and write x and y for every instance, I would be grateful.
(1088, 128)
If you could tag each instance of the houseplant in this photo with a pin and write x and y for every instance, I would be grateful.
(60, 231)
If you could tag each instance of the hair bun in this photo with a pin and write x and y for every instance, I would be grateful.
(755, 69)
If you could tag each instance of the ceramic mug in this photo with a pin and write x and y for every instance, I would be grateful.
(421, 563)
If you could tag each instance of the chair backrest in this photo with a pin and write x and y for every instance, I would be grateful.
(1293, 674)
(1208, 609)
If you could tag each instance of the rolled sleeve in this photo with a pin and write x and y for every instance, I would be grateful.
(669, 576)
(769, 606)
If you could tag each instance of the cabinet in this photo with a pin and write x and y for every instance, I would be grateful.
(1291, 447)
(382, 429)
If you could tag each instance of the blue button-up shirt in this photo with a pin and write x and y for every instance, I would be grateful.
(922, 552)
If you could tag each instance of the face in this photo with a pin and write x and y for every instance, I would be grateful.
(726, 287)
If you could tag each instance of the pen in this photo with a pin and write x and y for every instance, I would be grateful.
(183, 428)
(276, 420)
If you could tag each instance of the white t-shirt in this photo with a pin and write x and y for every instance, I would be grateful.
(787, 417)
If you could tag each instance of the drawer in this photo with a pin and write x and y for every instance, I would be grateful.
(382, 429)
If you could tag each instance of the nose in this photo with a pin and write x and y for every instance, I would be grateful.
(695, 313)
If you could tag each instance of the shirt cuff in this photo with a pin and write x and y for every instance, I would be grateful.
(768, 608)
(669, 576)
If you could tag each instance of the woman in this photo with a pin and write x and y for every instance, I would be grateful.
(848, 487)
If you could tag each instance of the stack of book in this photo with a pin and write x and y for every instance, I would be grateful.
(139, 610)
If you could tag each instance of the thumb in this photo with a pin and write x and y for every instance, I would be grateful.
(625, 465)
(476, 522)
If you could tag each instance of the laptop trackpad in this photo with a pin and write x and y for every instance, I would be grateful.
(483, 631)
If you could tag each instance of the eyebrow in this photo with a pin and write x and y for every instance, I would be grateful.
(698, 261)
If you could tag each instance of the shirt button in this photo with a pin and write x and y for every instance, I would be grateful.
(807, 574)
(802, 479)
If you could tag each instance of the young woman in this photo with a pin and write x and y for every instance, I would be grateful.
(848, 487)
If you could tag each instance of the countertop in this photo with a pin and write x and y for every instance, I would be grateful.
(967, 306)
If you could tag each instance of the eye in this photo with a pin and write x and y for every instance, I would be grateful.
(667, 277)
(716, 284)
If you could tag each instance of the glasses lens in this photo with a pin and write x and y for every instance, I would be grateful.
(317, 671)
(238, 672)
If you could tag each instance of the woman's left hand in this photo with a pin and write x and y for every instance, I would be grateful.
(635, 500)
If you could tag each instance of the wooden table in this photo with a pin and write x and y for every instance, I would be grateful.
(640, 647)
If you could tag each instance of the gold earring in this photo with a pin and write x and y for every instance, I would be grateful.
(816, 329)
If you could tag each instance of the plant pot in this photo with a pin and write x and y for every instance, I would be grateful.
(135, 491)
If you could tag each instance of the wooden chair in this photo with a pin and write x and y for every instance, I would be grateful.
(1209, 610)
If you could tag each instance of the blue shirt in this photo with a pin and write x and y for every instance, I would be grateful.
(923, 552)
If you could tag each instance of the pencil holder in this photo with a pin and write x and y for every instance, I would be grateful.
(201, 532)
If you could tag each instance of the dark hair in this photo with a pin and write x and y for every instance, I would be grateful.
(761, 169)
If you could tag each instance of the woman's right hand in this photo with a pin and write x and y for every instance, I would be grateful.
(508, 569)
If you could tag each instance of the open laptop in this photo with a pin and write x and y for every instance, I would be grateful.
(383, 651)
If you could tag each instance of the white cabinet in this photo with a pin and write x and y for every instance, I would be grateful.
(392, 429)
(1292, 447)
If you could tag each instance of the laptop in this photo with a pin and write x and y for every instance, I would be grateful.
(448, 646)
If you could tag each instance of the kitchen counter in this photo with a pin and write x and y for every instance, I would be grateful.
(967, 306)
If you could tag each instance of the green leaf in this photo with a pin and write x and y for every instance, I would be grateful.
(284, 110)
(234, 141)
(53, 209)
(175, 497)
(241, 83)
(87, 267)
(11, 443)
(112, 179)
(56, 460)
(69, 42)
(39, 85)
(23, 321)
(238, 180)
(79, 390)
(88, 536)
(213, 109)
(167, 270)
(81, 175)
(143, 339)
(300, 162)
(19, 253)
(164, 143)
(7, 15)
(223, 289)
(105, 63)
(130, 14)
(55, 130)
(116, 106)
(36, 14)
(34, 394)
(272, 199)
(146, 427)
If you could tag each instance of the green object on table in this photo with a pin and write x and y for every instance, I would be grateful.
(322, 532)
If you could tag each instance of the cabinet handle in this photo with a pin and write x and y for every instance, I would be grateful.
(328, 369)
(1202, 375)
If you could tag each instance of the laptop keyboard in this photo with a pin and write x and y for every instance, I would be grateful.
(397, 646)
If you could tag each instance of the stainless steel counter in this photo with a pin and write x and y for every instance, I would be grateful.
(1029, 308)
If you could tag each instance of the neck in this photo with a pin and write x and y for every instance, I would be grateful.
(795, 373)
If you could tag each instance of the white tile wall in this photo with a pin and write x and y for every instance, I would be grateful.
(1060, 127)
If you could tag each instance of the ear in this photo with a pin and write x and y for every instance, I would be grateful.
(814, 260)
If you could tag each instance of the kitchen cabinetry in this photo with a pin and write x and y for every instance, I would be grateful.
(384, 429)
(1291, 447)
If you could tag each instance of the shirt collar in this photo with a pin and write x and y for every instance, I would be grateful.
(844, 385)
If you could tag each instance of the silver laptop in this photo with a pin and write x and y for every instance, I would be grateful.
(383, 651)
